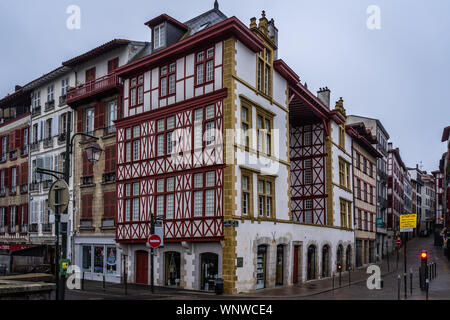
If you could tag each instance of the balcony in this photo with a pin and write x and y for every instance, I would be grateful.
(36, 111)
(62, 100)
(62, 138)
(49, 105)
(383, 176)
(47, 227)
(93, 89)
(48, 143)
(87, 181)
(13, 155)
(34, 227)
(34, 146)
(383, 202)
(34, 186)
(109, 177)
(23, 188)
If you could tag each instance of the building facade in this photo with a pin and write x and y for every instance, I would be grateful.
(378, 130)
(96, 104)
(365, 178)
(396, 174)
(14, 150)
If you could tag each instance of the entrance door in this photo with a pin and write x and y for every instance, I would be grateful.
(261, 267)
(141, 267)
(210, 270)
(172, 268)
(295, 273)
(311, 272)
(280, 265)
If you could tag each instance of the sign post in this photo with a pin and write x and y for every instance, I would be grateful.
(408, 222)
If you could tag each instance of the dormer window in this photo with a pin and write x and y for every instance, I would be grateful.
(159, 36)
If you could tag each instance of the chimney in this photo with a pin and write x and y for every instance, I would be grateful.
(216, 5)
(273, 33)
(324, 95)
(390, 146)
(18, 87)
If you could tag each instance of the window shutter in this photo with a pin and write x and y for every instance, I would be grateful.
(113, 159)
(7, 175)
(7, 216)
(24, 171)
(99, 121)
(109, 200)
(18, 138)
(17, 218)
(55, 126)
(19, 215)
(12, 141)
(25, 214)
(80, 120)
(107, 160)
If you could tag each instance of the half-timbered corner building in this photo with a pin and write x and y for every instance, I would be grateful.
(204, 141)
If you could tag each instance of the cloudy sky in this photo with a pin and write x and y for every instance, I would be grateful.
(398, 73)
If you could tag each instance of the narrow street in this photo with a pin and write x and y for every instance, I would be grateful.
(316, 290)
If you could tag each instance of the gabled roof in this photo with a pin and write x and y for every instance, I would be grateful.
(379, 124)
(159, 19)
(106, 47)
(362, 135)
(56, 73)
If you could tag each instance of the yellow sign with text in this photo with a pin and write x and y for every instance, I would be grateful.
(408, 221)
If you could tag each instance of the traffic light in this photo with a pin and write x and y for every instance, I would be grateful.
(339, 267)
(423, 255)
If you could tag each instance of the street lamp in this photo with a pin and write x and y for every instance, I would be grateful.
(93, 152)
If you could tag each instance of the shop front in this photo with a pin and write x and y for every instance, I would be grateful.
(98, 258)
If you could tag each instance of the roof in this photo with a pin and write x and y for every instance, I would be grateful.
(160, 19)
(364, 137)
(446, 134)
(11, 97)
(46, 78)
(396, 153)
(204, 21)
(379, 124)
(106, 47)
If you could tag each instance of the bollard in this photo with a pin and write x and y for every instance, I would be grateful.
(411, 279)
(435, 269)
(427, 286)
(82, 282)
(104, 282)
(340, 278)
(398, 285)
(126, 283)
(406, 285)
(332, 276)
(349, 279)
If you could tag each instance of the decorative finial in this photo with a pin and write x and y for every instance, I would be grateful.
(263, 14)
(216, 5)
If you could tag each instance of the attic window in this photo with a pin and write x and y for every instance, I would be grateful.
(203, 27)
(159, 36)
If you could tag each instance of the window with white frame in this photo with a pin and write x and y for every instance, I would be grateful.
(136, 201)
(13, 179)
(159, 36)
(170, 188)
(36, 99)
(50, 93)
(2, 219)
(64, 86)
(204, 66)
(111, 114)
(89, 120)
(12, 217)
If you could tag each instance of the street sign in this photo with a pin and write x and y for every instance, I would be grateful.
(406, 230)
(408, 221)
(64, 265)
(380, 222)
(154, 241)
(398, 242)
(159, 231)
(60, 187)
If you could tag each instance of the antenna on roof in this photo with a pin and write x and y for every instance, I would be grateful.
(216, 5)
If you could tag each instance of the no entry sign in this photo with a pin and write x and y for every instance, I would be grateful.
(154, 241)
(398, 242)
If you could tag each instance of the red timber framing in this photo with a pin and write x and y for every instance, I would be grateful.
(309, 120)
(175, 126)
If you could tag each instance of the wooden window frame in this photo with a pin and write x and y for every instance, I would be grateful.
(249, 192)
(262, 64)
(342, 137)
(246, 139)
(203, 63)
(136, 87)
(265, 195)
(90, 74)
(87, 207)
(131, 198)
(113, 64)
(166, 77)
(203, 189)
(265, 132)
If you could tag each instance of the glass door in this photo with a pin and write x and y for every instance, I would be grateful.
(261, 267)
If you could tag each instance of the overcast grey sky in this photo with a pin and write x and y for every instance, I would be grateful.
(399, 74)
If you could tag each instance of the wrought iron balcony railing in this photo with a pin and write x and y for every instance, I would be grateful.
(48, 143)
(49, 105)
(36, 111)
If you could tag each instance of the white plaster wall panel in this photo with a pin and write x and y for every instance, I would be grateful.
(180, 68)
(218, 53)
(125, 106)
(162, 103)
(279, 88)
(147, 101)
(155, 78)
(147, 81)
(180, 91)
(154, 100)
(198, 91)
(170, 100)
(245, 63)
(126, 88)
(218, 78)
(132, 112)
(190, 65)
(209, 88)
(189, 88)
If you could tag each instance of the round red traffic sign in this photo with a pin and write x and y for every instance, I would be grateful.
(398, 242)
(154, 241)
